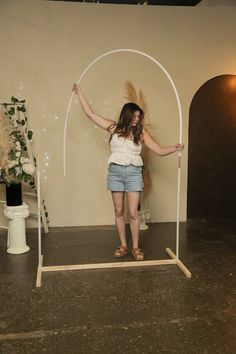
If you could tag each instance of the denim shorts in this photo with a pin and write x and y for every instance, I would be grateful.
(124, 178)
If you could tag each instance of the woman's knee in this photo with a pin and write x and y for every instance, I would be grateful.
(119, 212)
(133, 215)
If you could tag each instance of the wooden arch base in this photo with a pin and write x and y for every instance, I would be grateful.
(173, 260)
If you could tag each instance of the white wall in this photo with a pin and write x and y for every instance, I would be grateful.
(45, 46)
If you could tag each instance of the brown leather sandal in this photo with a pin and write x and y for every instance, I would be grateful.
(121, 251)
(138, 254)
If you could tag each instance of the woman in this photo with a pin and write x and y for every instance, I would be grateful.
(125, 165)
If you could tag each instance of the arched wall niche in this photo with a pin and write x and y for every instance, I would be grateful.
(212, 150)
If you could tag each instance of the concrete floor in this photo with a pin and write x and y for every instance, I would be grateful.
(127, 310)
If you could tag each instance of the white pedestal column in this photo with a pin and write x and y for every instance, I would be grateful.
(142, 220)
(16, 230)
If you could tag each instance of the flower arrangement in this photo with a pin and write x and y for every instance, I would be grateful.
(16, 163)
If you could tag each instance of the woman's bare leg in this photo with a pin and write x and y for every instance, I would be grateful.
(118, 201)
(133, 199)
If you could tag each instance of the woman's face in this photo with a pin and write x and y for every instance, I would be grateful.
(136, 118)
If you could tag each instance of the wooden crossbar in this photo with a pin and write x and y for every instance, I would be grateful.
(107, 265)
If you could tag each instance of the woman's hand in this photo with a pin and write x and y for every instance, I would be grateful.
(76, 89)
(179, 147)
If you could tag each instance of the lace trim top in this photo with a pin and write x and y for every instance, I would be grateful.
(124, 151)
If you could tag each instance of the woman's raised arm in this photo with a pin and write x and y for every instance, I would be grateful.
(102, 122)
(157, 149)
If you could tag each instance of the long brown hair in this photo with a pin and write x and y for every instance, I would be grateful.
(124, 126)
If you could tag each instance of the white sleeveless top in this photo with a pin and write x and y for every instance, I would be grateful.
(124, 151)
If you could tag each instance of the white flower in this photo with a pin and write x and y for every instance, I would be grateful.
(17, 154)
(18, 146)
(12, 163)
(24, 160)
(28, 168)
